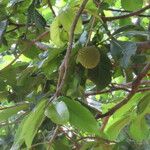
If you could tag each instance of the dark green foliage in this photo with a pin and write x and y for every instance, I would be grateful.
(34, 36)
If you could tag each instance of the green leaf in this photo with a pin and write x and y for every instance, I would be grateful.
(129, 106)
(55, 33)
(144, 105)
(61, 26)
(123, 51)
(101, 75)
(14, 2)
(5, 75)
(128, 73)
(139, 129)
(55, 52)
(58, 112)
(28, 49)
(73, 85)
(20, 5)
(127, 28)
(29, 126)
(3, 26)
(5, 114)
(50, 67)
(139, 58)
(3, 13)
(132, 5)
(114, 126)
(35, 119)
(66, 19)
(80, 117)
(19, 136)
(90, 7)
(35, 17)
(63, 143)
(124, 22)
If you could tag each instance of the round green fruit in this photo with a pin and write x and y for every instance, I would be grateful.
(89, 57)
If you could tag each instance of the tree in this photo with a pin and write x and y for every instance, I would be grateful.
(74, 74)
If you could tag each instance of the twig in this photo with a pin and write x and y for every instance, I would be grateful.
(41, 36)
(14, 122)
(126, 11)
(135, 85)
(90, 93)
(105, 121)
(9, 123)
(53, 137)
(129, 84)
(18, 104)
(90, 31)
(70, 138)
(143, 89)
(135, 13)
(96, 138)
(34, 42)
(40, 45)
(51, 8)
(11, 30)
(143, 46)
(20, 25)
(65, 63)
(124, 88)
(13, 61)
(115, 88)
(37, 144)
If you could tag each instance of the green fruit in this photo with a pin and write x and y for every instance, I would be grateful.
(89, 57)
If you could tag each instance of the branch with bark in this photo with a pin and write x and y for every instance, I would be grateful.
(135, 86)
(91, 93)
(135, 13)
(65, 63)
(51, 8)
(126, 11)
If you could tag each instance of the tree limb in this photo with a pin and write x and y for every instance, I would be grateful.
(51, 8)
(65, 63)
(126, 11)
(129, 84)
(53, 137)
(105, 121)
(143, 46)
(135, 85)
(115, 88)
(135, 13)
(13, 61)
(41, 36)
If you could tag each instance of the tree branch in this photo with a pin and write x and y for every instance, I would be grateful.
(53, 137)
(19, 25)
(96, 138)
(105, 121)
(51, 8)
(37, 144)
(17, 120)
(13, 61)
(129, 84)
(135, 13)
(65, 63)
(115, 88)
(143, 46)
(126, 11)
(14, 106)
(41, 36)
(90, 31)
(135, 85)
(143, 89)
(90, 93)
